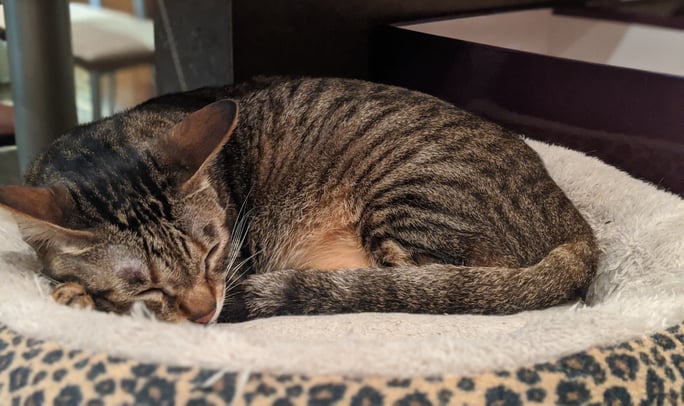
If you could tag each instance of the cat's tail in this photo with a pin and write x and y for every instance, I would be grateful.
(563, 275)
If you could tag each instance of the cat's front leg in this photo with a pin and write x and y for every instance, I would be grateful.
(73, 294)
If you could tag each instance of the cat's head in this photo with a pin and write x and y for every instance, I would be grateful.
(146, 225)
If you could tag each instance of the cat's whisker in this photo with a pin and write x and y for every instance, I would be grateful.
(234, 254)
(235, 276)
(230, 269)
(234, 279)
(230, 292)
(240, 223)
(240, 216)
(229, 297)
(244, 261)
(50, 279)
(236, 245)
(238, 237)
(233, 270)
(36, 280)
(244, 203)
(241, 230)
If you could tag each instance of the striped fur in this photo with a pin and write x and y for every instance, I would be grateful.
(329, 196)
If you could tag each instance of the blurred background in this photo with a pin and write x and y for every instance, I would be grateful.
(125, 51)
(126, 84)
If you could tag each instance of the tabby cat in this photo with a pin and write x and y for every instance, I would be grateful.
(300, 196)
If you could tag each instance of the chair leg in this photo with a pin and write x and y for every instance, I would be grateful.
(139, 8)
(95, 95)
(111, 92)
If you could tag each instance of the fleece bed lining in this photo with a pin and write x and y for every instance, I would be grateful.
(639, 290)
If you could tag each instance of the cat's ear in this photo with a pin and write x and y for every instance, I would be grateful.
(199, 137)
(39, 213)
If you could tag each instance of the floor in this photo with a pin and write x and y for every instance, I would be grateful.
(133, 86)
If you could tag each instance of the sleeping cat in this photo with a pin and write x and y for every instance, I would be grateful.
(301, 196)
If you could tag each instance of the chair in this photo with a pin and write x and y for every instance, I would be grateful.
(104, 41)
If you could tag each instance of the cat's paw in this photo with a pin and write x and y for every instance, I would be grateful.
(73, 295)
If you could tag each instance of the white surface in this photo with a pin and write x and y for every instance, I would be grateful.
(119, 26)
(645, 47)
(639, 289)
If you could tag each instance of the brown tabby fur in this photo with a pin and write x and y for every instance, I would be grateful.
(301, 196)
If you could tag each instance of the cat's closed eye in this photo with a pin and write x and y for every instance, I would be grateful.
(155, 294)
(210, 255)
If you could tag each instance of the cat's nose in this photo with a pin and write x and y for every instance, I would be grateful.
(198, 304)
(205, 318)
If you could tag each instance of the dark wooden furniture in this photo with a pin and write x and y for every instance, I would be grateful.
(6, 125)
(630, 117)
(212, 41)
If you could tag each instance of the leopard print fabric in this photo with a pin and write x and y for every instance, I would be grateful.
(643, 371)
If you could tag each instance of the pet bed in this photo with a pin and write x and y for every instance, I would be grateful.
(625, 347)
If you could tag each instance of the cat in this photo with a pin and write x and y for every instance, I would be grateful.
(284, 196)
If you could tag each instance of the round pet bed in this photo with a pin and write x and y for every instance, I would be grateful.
(625, 346)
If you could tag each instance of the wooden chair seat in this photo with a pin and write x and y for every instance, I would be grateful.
(105, 40)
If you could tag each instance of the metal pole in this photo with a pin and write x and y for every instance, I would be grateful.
(41, 72)
(139, 8)
(193, 43)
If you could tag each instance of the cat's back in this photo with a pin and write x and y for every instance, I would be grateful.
(332, 118)
(319, 132)
(371, 158)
